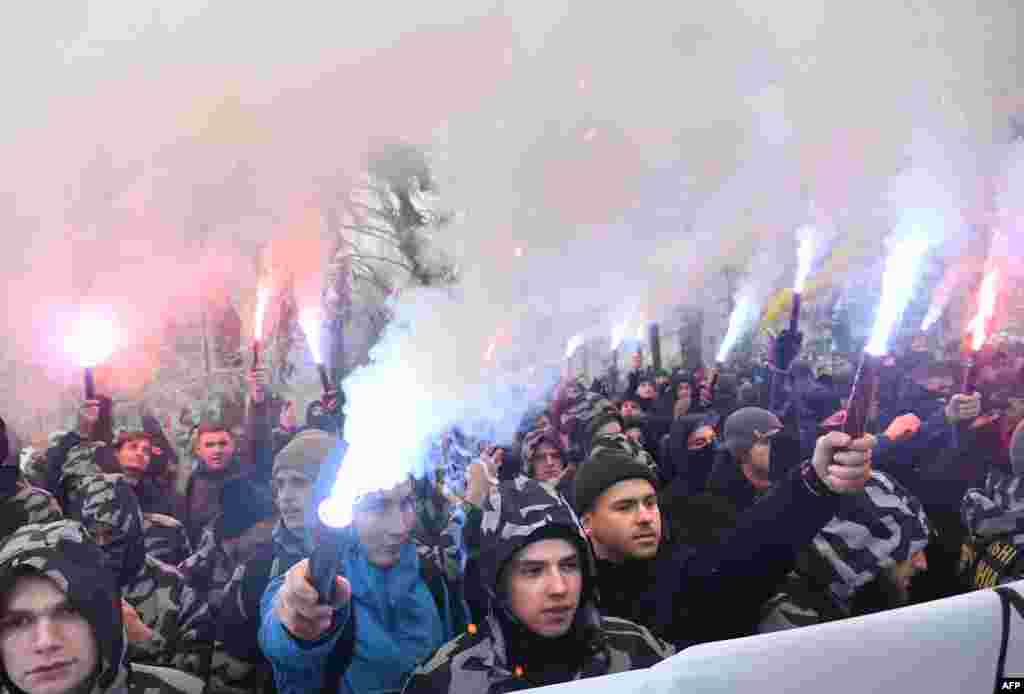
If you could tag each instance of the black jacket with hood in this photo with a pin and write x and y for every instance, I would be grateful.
(67, 555)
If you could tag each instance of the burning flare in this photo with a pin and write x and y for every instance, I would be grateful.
(92, 340)
(986, 309)
(575, 342)
(741, 317)
(262, 297)
(901, 270)
(804, 257)
(311, 319)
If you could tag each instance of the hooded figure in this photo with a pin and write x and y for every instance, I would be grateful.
(180, 620)
(862, 561)
(505, 653)
(22, 504)
(994, 516)
(63, 554)
(684, 460)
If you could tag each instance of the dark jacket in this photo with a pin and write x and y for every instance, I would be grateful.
(728, 481)
(689, 596)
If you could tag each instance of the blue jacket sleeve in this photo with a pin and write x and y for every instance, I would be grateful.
(299, 666)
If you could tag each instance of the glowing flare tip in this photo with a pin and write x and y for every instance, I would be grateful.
(262, 297)
(92, 340)
(986, 308)
(901, 270)
(309, 320)
(575, 342)
(804, 257)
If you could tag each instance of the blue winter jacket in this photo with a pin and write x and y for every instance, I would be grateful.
(399, 621)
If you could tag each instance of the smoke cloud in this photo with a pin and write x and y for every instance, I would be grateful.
(602, 158)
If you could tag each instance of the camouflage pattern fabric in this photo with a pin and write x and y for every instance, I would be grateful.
(80, 465)
(872, 530)
(621, 442)
(177, 614)
(994, 551)
(578, 416)
(65, 553)
(209, 568)
(32, 463)
(231, 675)
(437, 534)
(28, 505)
(800, 602)
(165, 538)
(108, 508)
(475, 663)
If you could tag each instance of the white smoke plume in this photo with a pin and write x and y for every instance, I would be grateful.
(604, 157)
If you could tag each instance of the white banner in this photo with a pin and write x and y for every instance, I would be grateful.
(948, 646)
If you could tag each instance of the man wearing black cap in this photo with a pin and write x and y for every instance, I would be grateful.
(673, 588)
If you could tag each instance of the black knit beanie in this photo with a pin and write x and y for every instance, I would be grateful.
(607, 467)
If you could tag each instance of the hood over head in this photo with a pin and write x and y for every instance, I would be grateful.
(111, 514)
(66, 554)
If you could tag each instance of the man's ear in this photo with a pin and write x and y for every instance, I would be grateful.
(585, 521)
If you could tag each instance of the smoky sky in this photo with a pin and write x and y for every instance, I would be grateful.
(628, 151)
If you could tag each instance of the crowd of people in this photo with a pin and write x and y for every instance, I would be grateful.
(624, 523)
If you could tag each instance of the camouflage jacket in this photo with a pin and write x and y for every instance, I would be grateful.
(28, 505)
(178, 616)
(209, 568)
(165, 538)
(800, 602)
(476, 663)
(994, 551)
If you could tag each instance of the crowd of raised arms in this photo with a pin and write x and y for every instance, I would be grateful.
(629, 518)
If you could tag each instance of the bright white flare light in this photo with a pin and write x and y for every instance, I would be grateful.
(901, 270)
(986, 307)
(262, 297)
(934, 312)
(92, 340)
(310, 319)
(575, 342)
(619, 333)
(741, 317)
(804, 257)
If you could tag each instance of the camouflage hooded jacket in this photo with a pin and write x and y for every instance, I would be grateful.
(994, 516)
(481, 661)
(178, 616)
(66, 554)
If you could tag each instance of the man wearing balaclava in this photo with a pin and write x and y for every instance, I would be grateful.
(61, 627)
(542, 627)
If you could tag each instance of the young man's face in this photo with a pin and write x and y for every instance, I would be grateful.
(216, 449)
(625, 522)
(384, 522)
(546, 463)
(543, 582)
(46, 647)
(628, 409)
(902, 573)
(645, 391)
(292, 493)
(683, 391)
(134, 457)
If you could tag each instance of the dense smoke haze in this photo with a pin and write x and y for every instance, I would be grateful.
(602, 159)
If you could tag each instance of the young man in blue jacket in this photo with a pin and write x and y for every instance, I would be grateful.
(393, 609)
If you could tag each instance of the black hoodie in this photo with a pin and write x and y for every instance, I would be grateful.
(64, 553)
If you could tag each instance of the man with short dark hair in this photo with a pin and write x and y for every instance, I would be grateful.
(674, 590)
(542, 626)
